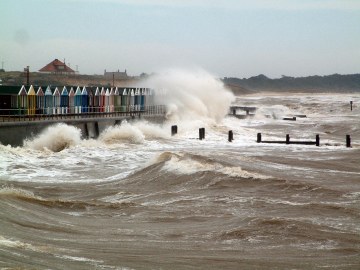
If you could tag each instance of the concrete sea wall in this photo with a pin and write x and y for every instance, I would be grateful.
(14, 133)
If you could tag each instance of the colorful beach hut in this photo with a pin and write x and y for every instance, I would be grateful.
(48, 105)
(56, 100)
(111, 99)
(117, 100)
(132, 100)
(31, 101)
(90, 100)
(64, 101)
(71, 101)
(40, 101)
(102, 99)
(97, 99)
(124, 100)
(84, 100)
(77, 100)
(22, 100)
(142, 99)
(107, 100)
(137, 99)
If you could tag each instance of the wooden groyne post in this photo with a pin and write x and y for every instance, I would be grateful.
(230, 136)
(201, 133)
(287, 139)
(348, 141)
(174, 130)
(317, 140)
(258, 138)
(351, 104)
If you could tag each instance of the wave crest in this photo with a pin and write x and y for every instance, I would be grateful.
(55, 138)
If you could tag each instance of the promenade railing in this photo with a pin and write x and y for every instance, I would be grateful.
(78, 112)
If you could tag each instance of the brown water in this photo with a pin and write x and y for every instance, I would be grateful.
(137, 198)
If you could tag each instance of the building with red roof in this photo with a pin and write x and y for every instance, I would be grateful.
(57, 67)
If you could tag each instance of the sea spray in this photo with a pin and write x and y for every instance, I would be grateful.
(191, 94)
(55, 138)
(135, 133)
(124, 133)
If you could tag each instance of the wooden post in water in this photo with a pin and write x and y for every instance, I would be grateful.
(174, 130)
(317, 140)
(231, 136)
(287, 139)
(258, 138)
(348, 141)
(351, 103)
(201, 133)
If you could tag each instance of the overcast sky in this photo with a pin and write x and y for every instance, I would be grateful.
(228, 38)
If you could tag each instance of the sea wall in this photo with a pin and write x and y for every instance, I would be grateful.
(14, 133)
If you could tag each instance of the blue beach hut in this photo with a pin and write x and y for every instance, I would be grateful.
(142, 99)
(64, 101)
(84, 100)
(48, 105)
(77, 100)
(56, 104)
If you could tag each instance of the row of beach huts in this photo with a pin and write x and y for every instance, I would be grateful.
(73, 100)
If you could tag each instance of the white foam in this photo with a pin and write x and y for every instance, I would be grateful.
(190, 166)
(124, 133)
(55, 138)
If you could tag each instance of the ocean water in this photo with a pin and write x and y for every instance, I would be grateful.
(138, 198)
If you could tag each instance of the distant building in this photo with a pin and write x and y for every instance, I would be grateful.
(117, 75)
(57, 67)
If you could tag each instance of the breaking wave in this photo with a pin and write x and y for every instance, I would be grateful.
(191, 94)
(55, 138)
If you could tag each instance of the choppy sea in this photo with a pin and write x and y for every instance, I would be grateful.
(139, 198)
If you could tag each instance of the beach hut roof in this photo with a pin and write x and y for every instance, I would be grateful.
(102, 91)
(111, 91)
(137, 92)
(132, 92)
(48, 91)
(78, 91)
(71, 92)
(40, 92)
(22, 91)
(64, 92)
(107, 93)
(84, 91)
(116, 91)
(97, 91)
(56, 92)
(31, 91)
